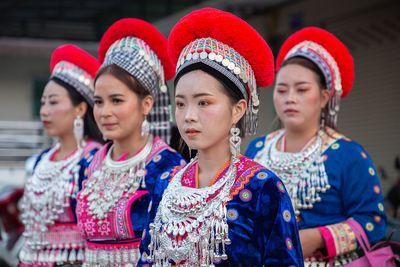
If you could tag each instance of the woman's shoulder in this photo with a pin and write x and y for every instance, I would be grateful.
(334, 141)
(253, 175)
(91, 146)
(258, 143)
(161, 152)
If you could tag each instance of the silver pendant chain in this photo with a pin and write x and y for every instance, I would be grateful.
(198, 216)
(47, 195)
(107, 186)
(303, 173)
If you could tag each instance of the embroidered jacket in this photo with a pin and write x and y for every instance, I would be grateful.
(115, 242)
(355, 192)
(64, 241)
(260, 216)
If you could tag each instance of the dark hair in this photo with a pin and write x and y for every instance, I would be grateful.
(125, 77)
(229, 88)
(91, 131)
(308, 64)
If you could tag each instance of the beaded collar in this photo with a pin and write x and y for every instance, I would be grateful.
(190, 225)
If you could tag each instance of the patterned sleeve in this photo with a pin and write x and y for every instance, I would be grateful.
(156, 196)
(172, 162)
(84, 166)
(278, 234)
(254, 147)
(362, 199)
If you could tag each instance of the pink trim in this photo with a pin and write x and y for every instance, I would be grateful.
(66, 157)
(90, 145)
(158, 146)
(113, 245)
(123, 157)
(329, 242)
(136, 196)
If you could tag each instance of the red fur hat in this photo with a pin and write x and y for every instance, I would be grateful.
(229, 30)
(78, 57)
(142, 30)
(331, 44)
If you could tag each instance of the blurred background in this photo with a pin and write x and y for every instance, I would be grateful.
(30, 30)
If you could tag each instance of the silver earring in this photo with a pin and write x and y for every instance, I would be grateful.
(145, 128)
(322, 123)
(78, 130)
(235, 141)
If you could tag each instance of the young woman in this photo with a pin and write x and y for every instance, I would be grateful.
(113, 206)
(49, 201)
(222, 209)
(329, 177)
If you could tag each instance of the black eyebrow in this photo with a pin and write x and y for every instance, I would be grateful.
(196, 95)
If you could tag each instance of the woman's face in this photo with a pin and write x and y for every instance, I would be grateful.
(57, 112)
(298, 98)
(118, 111)
(204, 113)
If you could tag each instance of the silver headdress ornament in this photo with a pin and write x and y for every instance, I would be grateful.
(232, 65)
(137, 58)
(329, 68)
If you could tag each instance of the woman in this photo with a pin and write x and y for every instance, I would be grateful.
(49, 201)
(329, 177)
(222, 209)
(113, 206)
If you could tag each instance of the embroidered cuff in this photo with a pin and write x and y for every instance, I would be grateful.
(339, 239)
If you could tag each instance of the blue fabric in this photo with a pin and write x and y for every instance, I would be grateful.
(261, 222)
(355, 190)
(83, 172)
(157, 168)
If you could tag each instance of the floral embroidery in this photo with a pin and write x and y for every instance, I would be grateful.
(371, 171)
(335, 146)
(262, 175)
(157, 158)
(363, 155)
(232, 214)
(281, 187)
(369, 226)
(246, 168)
(380, 207)
(164, 175)
(259, 144)
(343, 237)
(289, 244)
(245, 195)
(286, 216)
(377, 190)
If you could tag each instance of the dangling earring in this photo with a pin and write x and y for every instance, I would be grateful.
(145, 127)
(78, 130)
(322, 123)
(235, 141)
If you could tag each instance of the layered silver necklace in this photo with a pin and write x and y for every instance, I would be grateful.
(303, 173)
(47, 195)
(198, 217)
(107, 185)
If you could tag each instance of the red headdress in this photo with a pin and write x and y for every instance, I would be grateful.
(140, 49)
(331, 45)
(227, 44)
(330, 55)
(75, 67)
(143, 30)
